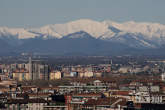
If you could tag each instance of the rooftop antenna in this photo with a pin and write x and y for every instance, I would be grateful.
(30, 65)
(111, 62)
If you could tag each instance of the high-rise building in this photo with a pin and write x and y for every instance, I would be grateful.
(30, 68)
(44, 72)
(37, 70)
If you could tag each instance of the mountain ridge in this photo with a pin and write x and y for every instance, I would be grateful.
(105, 36)
(89, 26)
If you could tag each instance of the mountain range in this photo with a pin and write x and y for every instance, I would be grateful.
(86, 37)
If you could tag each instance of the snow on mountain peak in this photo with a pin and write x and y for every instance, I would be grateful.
(47, 30)
(147, 29)
(103, 30)
(94, 28)
(19, 33)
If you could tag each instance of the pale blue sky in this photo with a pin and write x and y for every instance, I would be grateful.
(36, 13)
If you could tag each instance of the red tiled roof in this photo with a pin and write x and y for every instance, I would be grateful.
(106, 101)
(123, 93)
(88, 94)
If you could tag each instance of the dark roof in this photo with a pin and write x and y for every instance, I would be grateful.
(40, 94)
(25, 101)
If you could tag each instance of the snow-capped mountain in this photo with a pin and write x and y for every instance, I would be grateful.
(150, 35)
(132, 34)
(147, 29)
(19, 33)
(97, 29)
(94, 28)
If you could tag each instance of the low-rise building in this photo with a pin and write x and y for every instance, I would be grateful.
(21, 75)
(55, 75)
(88, 74)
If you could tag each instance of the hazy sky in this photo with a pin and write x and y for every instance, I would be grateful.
(35, 13)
